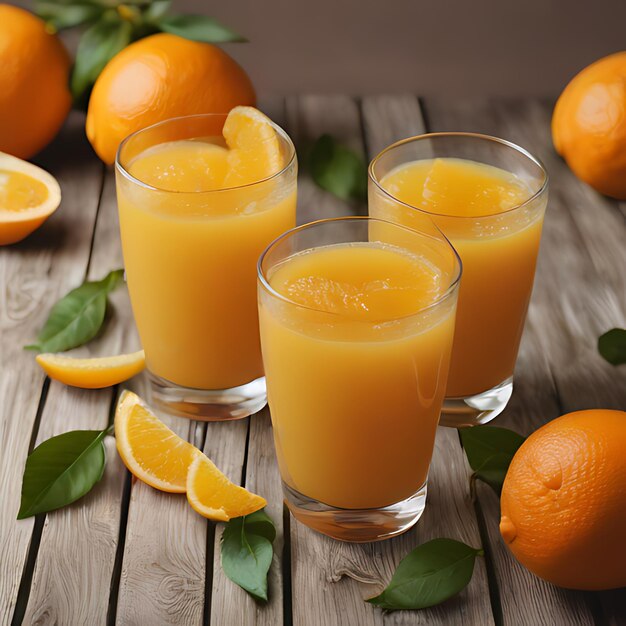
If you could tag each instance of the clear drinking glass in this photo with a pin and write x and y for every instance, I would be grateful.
(499, 252)
(190, 260)
(357, 319)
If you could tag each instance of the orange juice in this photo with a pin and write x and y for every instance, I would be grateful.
(191, 234)
(477, 207)
(356, 359)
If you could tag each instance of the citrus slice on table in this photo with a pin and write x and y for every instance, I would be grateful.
(28, 195)
(150, 450)
(255, 152)
(92, 373)
(211, 494)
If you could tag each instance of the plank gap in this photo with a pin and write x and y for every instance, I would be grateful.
(199, 434)
(208, 577)
(286, 568)
(557, 393)
(26, 580)
(490, 566)
(421, 103)
(95, 222)
(42, 401)
(113, 405)
(121, 542)
(244, 466)
(599, 615)
(23, 592)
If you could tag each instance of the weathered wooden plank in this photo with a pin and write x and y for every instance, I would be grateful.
(578, 294)
(163, 569)
(307, 118)
(226, 445)
(33, 274)
(164, 562)
(315, 559)
(76, 556)
(229, 603)
(387, 119)
(449, 511)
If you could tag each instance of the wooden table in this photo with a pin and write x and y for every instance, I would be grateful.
(128, 554)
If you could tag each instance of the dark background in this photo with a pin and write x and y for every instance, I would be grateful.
(429, 47)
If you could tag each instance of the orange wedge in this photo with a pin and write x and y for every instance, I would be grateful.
(255, 152)
(92, 373)
(150, 450)
(28, 196)
(212, 495)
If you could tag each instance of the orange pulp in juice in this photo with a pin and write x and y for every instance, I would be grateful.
(356, 370)
(470, 202)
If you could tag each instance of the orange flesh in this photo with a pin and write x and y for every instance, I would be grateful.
(211, 494)
(152, 452)
(19, 191)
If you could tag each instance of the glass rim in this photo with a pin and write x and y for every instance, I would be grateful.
(504, 142)
(264, 282)
(124, 171)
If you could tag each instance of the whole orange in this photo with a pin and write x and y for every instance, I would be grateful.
(564, 501)
(589, 125)
(160, 77)
(34, 75)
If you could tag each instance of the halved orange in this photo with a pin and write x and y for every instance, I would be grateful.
(150, 450)
(94, 373)
(28, 196)
(255, 152)
(211, 494)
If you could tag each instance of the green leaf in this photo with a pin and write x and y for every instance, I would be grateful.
(247, 552)
(612, 346)
(156, 10)
(98, 45)
(260, 523)
(67, 15)
(198, 28)
(489, 452)
(61, 470)
(77, 317)
(430, 574)
(338, 169)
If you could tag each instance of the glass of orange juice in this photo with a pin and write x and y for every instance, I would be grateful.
(488, 196)
(199, 199)
(357, 319)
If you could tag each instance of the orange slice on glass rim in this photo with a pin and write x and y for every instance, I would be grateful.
(254, 147)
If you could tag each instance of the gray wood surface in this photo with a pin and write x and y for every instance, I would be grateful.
(33, 274)
(128, 554)
(66, 590)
